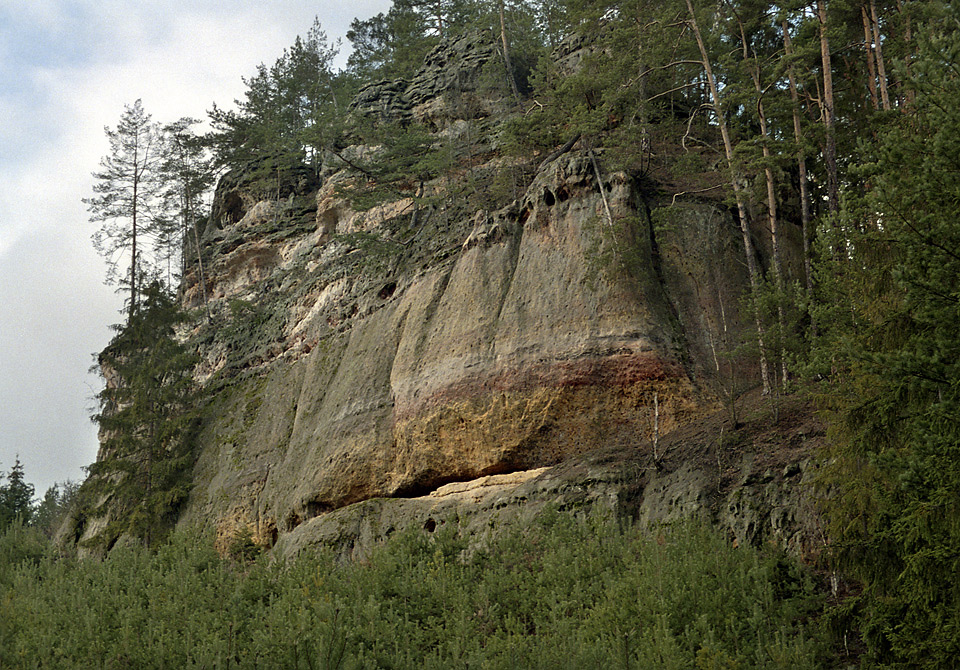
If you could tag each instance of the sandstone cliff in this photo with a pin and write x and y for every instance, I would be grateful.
(501, 324)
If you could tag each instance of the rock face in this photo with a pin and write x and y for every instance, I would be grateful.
(363, 367)
(512, 350)
(466, 329)
(450, 86)
(757, 494)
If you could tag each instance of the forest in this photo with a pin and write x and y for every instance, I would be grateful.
(837, 116)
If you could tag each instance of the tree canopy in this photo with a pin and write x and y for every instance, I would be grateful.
(16, 498)
(146, 419)
(288, 109)
(125, 198)
(895, 349)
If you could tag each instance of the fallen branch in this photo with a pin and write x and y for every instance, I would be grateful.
(351, 163)
(603, 192)
(559, 152)
(699, 190)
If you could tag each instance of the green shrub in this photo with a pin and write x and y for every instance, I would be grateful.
(562, 593)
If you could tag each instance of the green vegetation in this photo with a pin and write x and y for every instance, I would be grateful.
(390, 45)
(290, 111)
(19, 508)
(16, 498)
(873, 320)
(892, 334)
(732, 102)
(125, 198)
(146, 418)
(565, 593)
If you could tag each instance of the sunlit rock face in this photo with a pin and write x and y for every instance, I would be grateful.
(503, 341)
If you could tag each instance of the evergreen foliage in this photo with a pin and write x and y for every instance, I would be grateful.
(894, 269)
(19, 508)
(390, 45)
(562, 593)
(146, 419)
(126, 196)
(775, 108)
(16, 498)
(290, 110)
(187, 175)
(53, 508)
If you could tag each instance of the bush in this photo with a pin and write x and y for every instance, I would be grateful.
(564, 593)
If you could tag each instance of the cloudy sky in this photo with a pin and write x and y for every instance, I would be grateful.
(67, 68)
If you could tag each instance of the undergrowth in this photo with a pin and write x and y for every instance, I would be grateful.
(564, 593)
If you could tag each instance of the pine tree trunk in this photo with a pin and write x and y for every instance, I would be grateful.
(908, 55)
(801, 165)
(878, 50)
(774, 235)
(506, 55)
(752, 268)
(133, 243)
(868, 48)
(829, 120)
(196, 242)
(771, 195)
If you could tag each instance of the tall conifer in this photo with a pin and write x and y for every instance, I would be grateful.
(146, 420)
(125, 197)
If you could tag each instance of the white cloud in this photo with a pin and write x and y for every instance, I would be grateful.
(39, 15)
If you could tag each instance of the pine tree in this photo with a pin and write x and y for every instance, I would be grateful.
(390, 45)
(16, 498)
(894, 473)
(286, 109)
(146, 420)
(125, 199)
(53, 507)
(736, 185)
(187, 174)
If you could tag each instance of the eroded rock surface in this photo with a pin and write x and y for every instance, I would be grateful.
(450, 86)
(757, 491)
(466, 328)
(515, 339)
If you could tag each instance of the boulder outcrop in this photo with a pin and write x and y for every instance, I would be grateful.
(449, 333)
(450, 86)
(516, 339)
